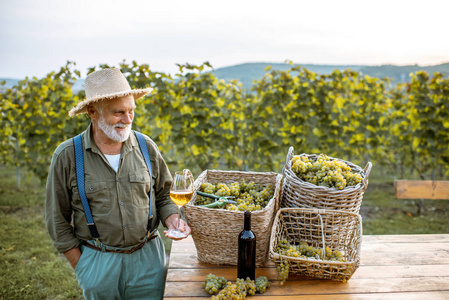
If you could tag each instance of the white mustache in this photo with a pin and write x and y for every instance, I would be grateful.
(121, 125)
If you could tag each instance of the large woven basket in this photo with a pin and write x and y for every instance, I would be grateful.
(299, 193)
(321, 228)
(215, 231)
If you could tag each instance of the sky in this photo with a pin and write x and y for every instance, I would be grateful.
(38, 37)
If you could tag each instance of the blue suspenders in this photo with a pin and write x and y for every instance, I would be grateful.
(79, 166)
(146, 156)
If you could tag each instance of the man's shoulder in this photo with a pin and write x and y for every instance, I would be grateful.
(150, 143)
(65, 146)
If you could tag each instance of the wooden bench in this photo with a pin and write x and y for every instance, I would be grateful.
(421, 189)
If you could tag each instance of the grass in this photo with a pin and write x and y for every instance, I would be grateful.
(383, 214)
(30, 267)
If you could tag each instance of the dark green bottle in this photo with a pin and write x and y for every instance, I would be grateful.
(246, 264)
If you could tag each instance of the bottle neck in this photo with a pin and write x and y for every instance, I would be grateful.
(247, 222)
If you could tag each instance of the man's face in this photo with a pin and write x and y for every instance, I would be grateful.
(114, 117)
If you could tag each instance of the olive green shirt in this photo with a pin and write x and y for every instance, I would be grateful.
(119, 201)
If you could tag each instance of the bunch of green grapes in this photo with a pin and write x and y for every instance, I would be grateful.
(222, 189)
(232, 291)
(283, 269)
(238, 290)
(207, 188)
(249, 196)
(262, 284)
(212, 284)
(248, 285)
(246, 187)
(235, 189)
(325, 172)
(303, 250)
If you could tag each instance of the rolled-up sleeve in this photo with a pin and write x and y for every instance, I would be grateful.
(58, 211)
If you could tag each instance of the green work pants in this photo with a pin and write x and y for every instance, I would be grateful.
(139, 275)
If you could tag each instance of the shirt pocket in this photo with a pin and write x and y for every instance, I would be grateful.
(98, 197)
(140, 187)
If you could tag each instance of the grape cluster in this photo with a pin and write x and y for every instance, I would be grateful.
(262, 284)
(238, 290)
(249, 196)
(213, 283)
(283, 269)
(303, 250)
(325, 172)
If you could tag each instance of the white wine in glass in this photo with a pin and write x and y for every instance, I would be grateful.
(181, 192)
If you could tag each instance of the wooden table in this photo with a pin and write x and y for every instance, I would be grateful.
(392, 267)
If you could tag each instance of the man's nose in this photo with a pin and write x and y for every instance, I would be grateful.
(127, 119)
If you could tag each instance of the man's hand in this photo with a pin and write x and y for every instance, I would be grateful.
(172, 223)
(73, 256)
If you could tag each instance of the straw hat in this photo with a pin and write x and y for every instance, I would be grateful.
(106, 84)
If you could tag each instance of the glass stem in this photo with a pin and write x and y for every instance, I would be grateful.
(179, 217)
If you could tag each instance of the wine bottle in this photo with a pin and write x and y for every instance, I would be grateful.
(246, 264)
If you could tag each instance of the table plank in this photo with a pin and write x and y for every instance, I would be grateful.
(377, 296)
(320, 287)
(230, 273)
(384, 258)
(407, 238)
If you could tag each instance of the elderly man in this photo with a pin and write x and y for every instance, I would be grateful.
(104, 217)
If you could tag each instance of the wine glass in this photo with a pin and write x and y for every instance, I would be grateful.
(181, 191)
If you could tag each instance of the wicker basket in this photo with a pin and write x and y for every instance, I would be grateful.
(321, 228)
(299, 193)
(215, 231)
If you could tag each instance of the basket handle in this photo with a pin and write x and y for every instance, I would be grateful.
(367, 171)
(323, 253)
(289, 158)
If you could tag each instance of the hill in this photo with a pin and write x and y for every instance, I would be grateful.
(248, 72)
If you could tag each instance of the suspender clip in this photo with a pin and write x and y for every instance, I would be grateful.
(99, 244)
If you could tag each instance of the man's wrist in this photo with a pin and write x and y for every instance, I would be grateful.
(73, 255)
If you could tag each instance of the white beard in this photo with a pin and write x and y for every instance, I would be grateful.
(111, 133)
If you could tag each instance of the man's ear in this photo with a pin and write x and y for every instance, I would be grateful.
(91, 111)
